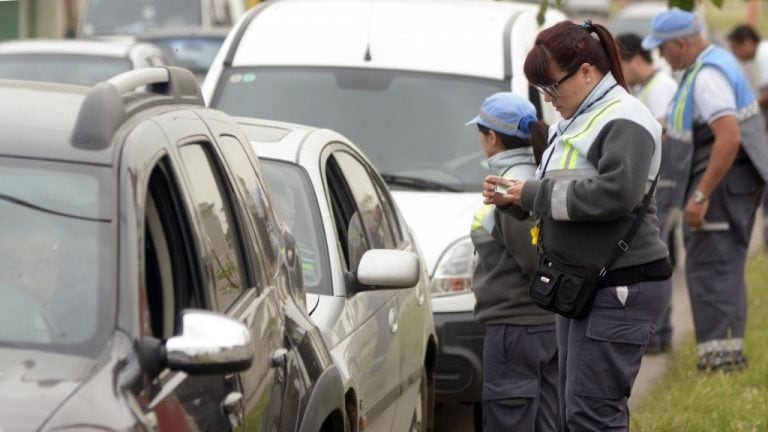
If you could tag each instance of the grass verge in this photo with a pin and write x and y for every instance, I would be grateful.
(685, 399)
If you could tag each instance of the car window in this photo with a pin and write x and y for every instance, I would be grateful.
(346, 218)
(171, 278)
(56, 255)
(408, 124)
(367, 200)
(219, 228)
(256, 202)
(296, 206)
(63, 68)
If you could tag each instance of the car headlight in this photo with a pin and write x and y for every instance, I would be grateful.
(453, 274)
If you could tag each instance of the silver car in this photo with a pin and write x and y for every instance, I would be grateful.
(80, 62)
(368, 290)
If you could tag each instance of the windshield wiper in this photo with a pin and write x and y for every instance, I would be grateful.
(14, 200)
(417, 183)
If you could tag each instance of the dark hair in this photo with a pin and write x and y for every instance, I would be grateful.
(742, 33)
(569, 45)
(538, 139)
(630, 45)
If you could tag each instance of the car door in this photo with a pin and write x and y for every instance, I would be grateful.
(234, 275)
(288, 359)
(360, 226)
(410, 301)
(158, 256)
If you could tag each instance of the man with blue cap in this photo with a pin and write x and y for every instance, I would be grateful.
(714, 116)
(520, 347)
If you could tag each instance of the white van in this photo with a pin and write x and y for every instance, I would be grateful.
(400, 79)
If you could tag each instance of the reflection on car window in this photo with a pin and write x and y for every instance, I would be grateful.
(252, 191)
(218, 225)
(368, 201)
(55, 264)
(296, 206)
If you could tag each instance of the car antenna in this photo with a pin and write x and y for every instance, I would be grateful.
(367, 56)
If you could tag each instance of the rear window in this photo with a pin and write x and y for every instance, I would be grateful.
(62, 68)
(105, 17)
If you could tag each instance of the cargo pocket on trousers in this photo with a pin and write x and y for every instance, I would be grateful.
(610, 357)
(514, 391)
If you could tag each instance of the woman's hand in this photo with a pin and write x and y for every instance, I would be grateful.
(502, 192)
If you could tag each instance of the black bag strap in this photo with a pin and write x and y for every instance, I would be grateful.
(623, 244)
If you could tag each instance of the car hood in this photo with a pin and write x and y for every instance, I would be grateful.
(438, 218)
(33, 384)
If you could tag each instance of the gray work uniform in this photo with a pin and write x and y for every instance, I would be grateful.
(593, 178)
(520, 347)
(716, 253)
(601, 355)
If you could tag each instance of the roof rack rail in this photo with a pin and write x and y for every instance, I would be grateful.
(110, 103)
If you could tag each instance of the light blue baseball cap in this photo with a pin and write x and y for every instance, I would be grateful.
(670, 25)
(506, 113)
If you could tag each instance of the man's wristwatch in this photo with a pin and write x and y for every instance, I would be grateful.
(699, 197)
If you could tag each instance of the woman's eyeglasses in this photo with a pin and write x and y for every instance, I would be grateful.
(551, 89)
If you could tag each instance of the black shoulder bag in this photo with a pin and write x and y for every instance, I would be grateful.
(569, 288)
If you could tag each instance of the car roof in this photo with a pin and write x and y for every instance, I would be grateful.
(341, 33)
(287, 141)
(106, 48)
(46, 120)
(37, 119)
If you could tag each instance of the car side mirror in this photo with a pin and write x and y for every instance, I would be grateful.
(209, 343)
(386, 269)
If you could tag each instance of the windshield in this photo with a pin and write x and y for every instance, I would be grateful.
(296, 206)
(409, 124)
(104, 17)
(62, 68)
(55, 260)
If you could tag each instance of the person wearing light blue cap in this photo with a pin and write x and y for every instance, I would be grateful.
(520, 348)
(714, 116)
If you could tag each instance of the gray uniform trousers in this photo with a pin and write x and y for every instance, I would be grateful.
(520, 378)
(600, 356)
(716, 256)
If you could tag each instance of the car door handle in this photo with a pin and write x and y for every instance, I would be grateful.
(278, 357)
(393, 320)
(232, 408)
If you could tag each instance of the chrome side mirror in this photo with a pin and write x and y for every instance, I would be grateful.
(210, 343)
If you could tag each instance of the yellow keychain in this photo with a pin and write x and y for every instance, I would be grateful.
(535, 231)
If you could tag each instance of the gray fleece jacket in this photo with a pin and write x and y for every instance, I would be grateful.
(593, 178)
(505, 259)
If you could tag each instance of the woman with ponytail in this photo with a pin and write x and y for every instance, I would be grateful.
(588, 201)
(520, 349)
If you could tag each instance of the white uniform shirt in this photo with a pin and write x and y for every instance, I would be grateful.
(713, 96)
(657, 94)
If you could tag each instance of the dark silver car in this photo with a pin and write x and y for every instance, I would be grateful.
(145, 284)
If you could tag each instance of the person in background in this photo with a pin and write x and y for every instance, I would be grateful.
(655, 88)
(602, 161)
(715, 115)
(753, 54)
(520, 348)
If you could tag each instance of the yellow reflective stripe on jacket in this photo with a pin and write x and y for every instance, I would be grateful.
(570, 153)
(679, 109)
(647, 89)
(477, 220)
